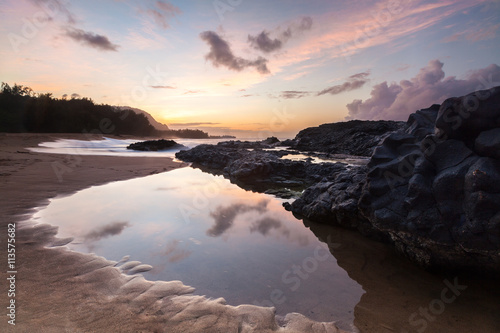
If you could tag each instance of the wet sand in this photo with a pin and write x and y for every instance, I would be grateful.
(57, 290)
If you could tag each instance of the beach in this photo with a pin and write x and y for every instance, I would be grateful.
(57, 290)
(28, 180)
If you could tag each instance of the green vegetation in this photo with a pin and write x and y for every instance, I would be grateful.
(22, 110)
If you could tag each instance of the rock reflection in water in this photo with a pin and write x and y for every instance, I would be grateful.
(401, 297)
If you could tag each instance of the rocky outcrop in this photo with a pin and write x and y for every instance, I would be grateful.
(251, 167)
(335, 201)
(355, 137)
(435, 190)
(154, 145)
(432, 189)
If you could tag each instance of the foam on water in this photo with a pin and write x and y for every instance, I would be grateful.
(112, 147)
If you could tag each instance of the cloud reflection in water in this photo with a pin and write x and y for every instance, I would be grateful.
(112, 229)
(224, 216)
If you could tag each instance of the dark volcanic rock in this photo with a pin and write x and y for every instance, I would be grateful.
(431, 189)
(466, 117)
(335, 201)
(154, 145)
(355, 137)
(488, 143)
(270, 142)
(257, 169)
(433, 194)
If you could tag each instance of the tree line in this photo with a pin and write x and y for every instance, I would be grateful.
(22, 110)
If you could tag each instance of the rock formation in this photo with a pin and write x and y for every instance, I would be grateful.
(431, 187)
(252, 168)
(154, 145)
(355, 137)
(432, 190)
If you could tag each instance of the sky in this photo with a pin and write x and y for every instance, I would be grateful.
(253, 68)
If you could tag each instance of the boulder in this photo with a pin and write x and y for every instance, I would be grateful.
(430, 189)
(154, 145)
(438, 197)
(466, 117)
(488, 143)
(355, 137)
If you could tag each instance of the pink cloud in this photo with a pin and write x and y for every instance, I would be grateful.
(474, 34)
(429, 86)
(343, 34)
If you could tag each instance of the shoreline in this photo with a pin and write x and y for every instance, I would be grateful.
(60, 290)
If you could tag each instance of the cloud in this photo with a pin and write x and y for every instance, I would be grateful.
(193, 124)
(168, 8)
(403, 67)
(221, 55)
(360, 76)
(112, 229)
(96, 41)
(224, 216)
(363, 25)
(264, 43)
(57, 12)
(475, 34)
(162, 13)
(346, 86)
(163, 87)
(355, 81)
(430, 86)
(191, 92)
(289, 94)
(305, 24)
(55, 7)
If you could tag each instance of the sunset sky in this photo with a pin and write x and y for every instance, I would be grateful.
(252, 67)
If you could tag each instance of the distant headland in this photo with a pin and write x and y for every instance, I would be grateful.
(24, 111)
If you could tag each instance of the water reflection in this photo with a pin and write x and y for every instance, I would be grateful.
(173, 251)
(212, 235)
(224, 216)
(267, 224)
(245, 247)
(112, 229)
(401, 297)
(315, 159)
